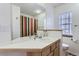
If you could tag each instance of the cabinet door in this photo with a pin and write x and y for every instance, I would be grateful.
(46, 51)
(51, 54)
(57, 44)
(52, 47)
(57, 49)
(56, 52)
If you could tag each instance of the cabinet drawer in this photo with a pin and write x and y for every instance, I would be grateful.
(46, 51)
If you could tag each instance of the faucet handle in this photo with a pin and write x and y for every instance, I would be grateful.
(45, 33)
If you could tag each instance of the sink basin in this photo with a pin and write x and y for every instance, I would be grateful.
(43, 40)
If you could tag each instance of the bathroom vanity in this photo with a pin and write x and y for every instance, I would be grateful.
(14, 34)
(46, 46)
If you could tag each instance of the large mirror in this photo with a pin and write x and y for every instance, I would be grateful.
(27, 18)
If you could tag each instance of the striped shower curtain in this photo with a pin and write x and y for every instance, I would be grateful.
(28, 26)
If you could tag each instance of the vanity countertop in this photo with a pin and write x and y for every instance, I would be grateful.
(29, 43)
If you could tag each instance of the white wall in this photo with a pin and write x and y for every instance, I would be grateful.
(46, 20)
(74, 8)
(23, 14)
(41, 20)
(49, 10)
(15, 21)
(49, 17)
(5, 23)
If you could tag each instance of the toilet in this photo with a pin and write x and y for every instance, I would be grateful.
(65, 46)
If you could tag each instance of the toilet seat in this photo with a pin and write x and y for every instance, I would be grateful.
(65, 46)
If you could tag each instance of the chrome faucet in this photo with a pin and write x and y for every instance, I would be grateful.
(45, 33)
(35, 36)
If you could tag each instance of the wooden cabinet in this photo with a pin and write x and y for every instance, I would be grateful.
(52, 47)
(56, 52)
(46, 51)
(51, 54)
(51, 50)
(33, 53)
(55, 48)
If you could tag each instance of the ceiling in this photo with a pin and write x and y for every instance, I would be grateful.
(29, 8)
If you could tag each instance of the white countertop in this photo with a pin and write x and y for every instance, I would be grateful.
(29, 43)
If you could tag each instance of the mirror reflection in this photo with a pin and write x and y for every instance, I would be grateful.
(27, 18)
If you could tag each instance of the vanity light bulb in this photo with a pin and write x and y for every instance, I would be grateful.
(38, 11)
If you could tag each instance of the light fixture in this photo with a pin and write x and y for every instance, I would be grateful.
(38, 11)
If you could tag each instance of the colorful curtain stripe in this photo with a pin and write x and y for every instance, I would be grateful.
(31, 26)
(21, 26)
(28, 26)
(35, 26)
(25, 30)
